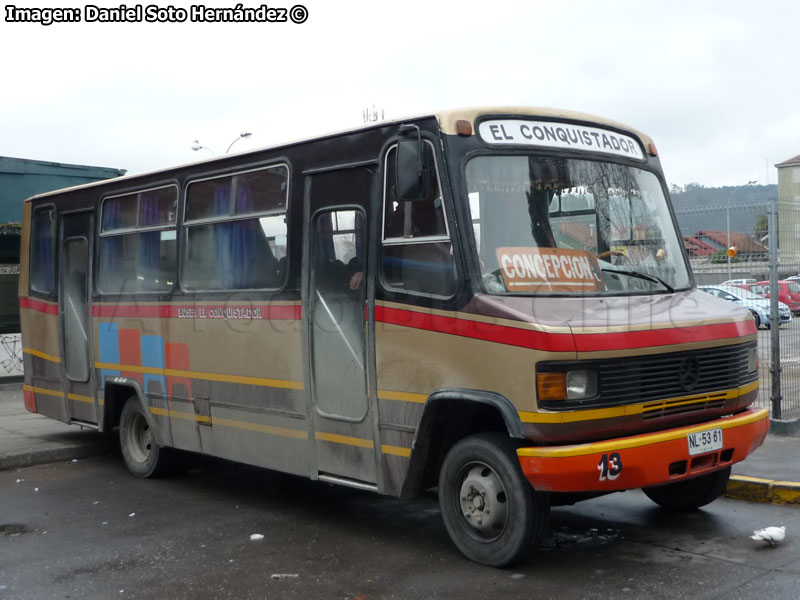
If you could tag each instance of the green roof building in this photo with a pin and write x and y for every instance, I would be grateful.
(20, 179)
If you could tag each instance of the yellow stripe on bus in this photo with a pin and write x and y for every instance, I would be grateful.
(396, 450)
(402, 396)
(43, 355)
(344, 439)
(641, 440)
(632, 409)
(271, 429)
(43, 391)
(260, 381)
(80, 398)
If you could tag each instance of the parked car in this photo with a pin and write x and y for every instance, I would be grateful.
(738, 281)
(756, 288)
(758, 305)
(788, 293)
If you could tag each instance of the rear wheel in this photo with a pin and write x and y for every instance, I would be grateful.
(143, 456)
(690, 494)
(490, 510)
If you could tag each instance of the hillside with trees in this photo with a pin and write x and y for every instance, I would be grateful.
(698, 207)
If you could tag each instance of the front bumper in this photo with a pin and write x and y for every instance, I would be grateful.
(641, 460)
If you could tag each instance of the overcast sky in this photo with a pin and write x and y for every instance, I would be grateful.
(714, 83)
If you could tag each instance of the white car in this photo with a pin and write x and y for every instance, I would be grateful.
(758, 305)
(738, 281)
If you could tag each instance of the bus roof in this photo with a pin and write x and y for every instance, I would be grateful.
(447, 120)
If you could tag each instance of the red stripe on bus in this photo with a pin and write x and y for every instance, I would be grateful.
(595, 342)
(188, 311)
(500, 334)
(562, 342)
(39, 306)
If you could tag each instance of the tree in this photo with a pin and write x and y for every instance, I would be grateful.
(761, 228)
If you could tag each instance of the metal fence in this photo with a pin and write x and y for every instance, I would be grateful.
(761, 263)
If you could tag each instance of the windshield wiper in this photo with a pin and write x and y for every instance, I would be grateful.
(638, 275)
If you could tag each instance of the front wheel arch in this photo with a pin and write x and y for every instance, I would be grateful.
(439, 428)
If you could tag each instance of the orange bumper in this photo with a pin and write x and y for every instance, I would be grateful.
(642, 460)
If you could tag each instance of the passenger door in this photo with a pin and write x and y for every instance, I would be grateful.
(335, 310)
(74, 298)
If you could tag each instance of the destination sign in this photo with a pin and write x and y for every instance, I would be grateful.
(554, 134)
(549, 269)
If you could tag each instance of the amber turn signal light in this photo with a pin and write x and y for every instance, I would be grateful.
(551, 386)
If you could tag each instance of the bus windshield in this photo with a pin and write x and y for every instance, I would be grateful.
(571, 226)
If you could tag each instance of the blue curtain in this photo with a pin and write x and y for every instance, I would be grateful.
(111, 273)
(245, 242)
(43, 267)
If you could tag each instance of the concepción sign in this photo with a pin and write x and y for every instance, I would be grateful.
(554, 134)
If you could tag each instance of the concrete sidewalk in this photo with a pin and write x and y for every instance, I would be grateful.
(770, 474)
(27, 439)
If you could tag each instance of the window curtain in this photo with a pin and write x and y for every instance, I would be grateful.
(111, 255)
(244, 241)
(44, 251)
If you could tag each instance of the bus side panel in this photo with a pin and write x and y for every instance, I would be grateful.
(246, 382)
(42, 358)
(133, 347)
(44, 388)
(222, 378)
(444, 351)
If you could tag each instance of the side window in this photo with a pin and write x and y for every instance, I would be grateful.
(417, 253)
(236, 231)
(42, 271)
(137, 247)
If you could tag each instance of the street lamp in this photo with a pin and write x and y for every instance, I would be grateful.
(244, 134)
(728, 222)
(198, 146)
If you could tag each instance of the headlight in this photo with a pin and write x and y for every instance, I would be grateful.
(581, 384)
(569, 385)
(752, 360)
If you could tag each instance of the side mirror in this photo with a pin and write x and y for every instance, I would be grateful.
(414, 170)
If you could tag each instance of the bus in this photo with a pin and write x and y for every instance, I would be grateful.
(493, 302)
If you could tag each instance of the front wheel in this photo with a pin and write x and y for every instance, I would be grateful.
(757, 319)
(490, 510)
(690, 494)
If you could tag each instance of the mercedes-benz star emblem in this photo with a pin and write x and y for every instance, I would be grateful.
(689, 373)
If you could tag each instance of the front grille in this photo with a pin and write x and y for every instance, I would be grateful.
(652, 377)
(668, 408)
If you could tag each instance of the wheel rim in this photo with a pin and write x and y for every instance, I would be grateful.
(140, 438)
(481, 501)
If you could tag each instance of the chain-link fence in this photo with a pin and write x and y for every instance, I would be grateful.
(733, 257)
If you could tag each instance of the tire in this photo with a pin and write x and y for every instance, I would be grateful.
(757, 319)
(490, 510)
(142, 455)
(690, 494)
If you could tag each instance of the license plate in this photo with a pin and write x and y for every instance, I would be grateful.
(704, 441)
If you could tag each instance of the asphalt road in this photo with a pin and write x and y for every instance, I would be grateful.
(88, 529)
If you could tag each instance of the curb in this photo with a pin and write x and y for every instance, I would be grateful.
(52, 455)
(755, 489)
